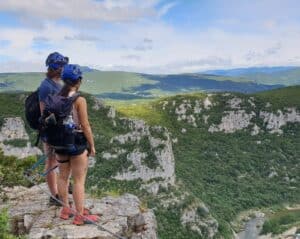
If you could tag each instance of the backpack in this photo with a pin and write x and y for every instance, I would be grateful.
(57, 110)
(32, 110)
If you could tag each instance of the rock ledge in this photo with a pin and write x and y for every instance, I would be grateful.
(30, 214)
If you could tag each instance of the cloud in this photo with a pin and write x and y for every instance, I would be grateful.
(84, 10)
(83, 37)
(150, 45)
(258, 55)
(165, 8)
(147, 40)
(145, 45)
(132, 57)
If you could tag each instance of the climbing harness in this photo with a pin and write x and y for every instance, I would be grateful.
(31, 177)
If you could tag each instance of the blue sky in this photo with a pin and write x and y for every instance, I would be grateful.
(153, 36)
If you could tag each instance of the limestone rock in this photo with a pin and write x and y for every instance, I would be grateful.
(233, 121)
(207, 103)
(235, 103)
(255, 130)
(111, 113)
(13, 128)
(160, 143)
(274, 122)
(198, 219)
(98, 104)
(30, 214)
(20, 152)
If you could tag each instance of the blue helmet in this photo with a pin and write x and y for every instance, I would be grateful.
(56, 60)
(71, 73)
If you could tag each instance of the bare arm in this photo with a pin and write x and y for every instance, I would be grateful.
(42, 107)
(81, 107)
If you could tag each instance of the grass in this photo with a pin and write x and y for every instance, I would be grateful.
(4, 226)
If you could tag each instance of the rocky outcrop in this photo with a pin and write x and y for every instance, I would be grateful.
(274, 121)
(14, 129)
(156, 161)
(20, 152)
(30, 214)
(198, 219)
(238, 114)
(233, 121)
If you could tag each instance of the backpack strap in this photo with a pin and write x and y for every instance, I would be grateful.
(37, 138)
(75, 97)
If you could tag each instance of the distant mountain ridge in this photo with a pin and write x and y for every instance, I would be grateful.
(283, 75)
(118, 85)
(249, 70)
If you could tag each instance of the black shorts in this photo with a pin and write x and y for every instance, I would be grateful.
(80, 146)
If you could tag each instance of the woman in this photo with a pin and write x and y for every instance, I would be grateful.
(75, 161)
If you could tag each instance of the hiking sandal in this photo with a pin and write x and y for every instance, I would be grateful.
(66, 213)
(82, 220)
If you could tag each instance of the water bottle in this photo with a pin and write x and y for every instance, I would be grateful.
(69, 126)
(69, 122)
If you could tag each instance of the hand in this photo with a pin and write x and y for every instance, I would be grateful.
(92, 152)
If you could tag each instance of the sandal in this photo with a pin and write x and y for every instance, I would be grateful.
(66, 213)
(89, 219)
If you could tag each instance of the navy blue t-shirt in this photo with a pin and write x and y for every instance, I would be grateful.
(48, 87)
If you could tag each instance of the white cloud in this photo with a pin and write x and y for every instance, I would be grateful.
(81, 10)
(144, 45)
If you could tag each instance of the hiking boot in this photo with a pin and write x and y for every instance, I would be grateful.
(53, 202)
(66, 213)
(88, 219)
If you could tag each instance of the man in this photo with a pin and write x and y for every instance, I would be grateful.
(50, 86)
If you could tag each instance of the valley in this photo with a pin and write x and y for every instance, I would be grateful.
(198, 160)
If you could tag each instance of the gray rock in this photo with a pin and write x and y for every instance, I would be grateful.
(233, 121)
(274, 122)
(13, 128)
(30, 213)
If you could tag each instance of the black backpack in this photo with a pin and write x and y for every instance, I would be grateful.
(32, 110)
(57, 109)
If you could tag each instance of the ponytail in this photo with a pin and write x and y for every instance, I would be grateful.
(65, 90)
(67, 87)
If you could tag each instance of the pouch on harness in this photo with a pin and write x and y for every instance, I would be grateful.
(58, 125)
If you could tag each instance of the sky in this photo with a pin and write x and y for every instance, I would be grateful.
(150, 36)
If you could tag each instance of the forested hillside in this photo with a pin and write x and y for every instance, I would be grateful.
(197, 159)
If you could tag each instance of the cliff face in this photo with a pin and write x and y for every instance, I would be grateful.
(12, 133)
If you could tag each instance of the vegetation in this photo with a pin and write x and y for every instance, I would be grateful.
(4, 226)
(16, 142)
(230, 173)
(12, 169)
(281, 221)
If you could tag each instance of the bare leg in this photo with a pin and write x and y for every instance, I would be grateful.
(63, 179)
(79, 169)
(50, 163)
